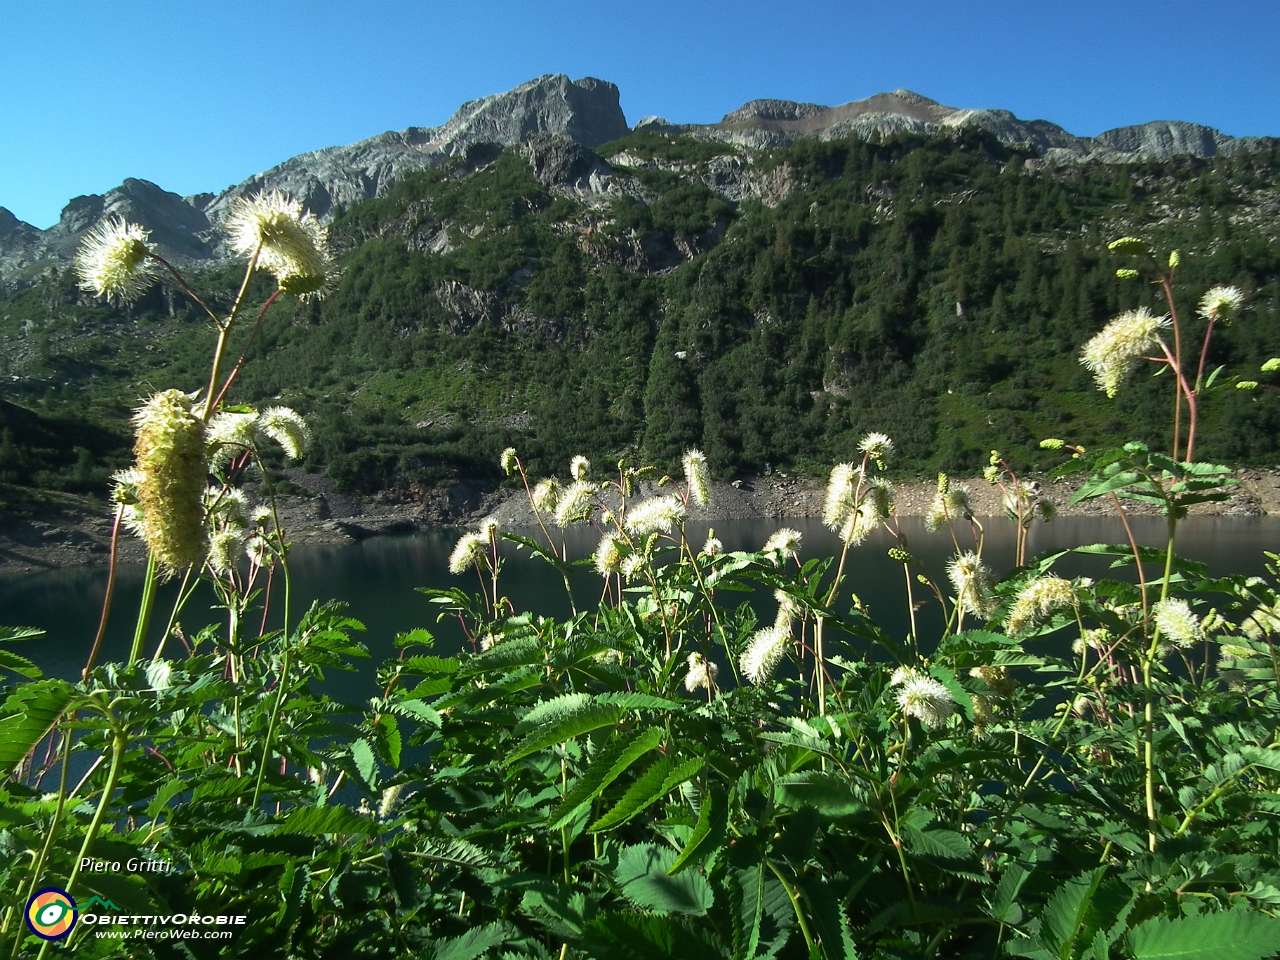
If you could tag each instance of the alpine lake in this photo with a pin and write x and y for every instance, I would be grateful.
(377, 578)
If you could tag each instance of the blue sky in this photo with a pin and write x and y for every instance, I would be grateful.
(199, 95)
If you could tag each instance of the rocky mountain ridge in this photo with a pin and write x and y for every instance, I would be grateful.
(579, 113)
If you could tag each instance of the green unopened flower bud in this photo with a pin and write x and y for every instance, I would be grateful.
(1052, 443)
(1272, 365)
(1174, 259)
(1129, 245)
(508, 460)
(1247, 385)
(1124, 273)
(898, 555)
(169, 446)
(991, 474)
(943, 484)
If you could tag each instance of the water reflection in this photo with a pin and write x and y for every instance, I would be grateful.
(377, 578)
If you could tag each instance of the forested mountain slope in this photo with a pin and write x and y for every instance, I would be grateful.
(770, 306)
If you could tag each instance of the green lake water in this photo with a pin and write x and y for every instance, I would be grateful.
(377, 577)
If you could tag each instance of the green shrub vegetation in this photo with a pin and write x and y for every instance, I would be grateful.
(937, 288)
(1069, 769)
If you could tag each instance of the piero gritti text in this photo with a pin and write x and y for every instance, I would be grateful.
(132, 865)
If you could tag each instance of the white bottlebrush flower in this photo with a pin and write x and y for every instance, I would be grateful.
(713, 547)
(287, 428)
(1097, 639)
(258, 549)
(861, 521)
(469, 551)
(764, 652)
(1110, 354)
(655, 515)
(124, 486)
(695, 474)
(788, 609)
(608, 557)
(170, 457)
(631, 565)
(508, 461)
(839, 500)
(545, 494)
(951, 503)
(1177, 623)
(579, 467)
(877, 446)
(574, 503)
(971, 581)
(702, 673)
(783, 542)
(926, 699)
(224, 544)
(880, 491)
(291, 245)
(390, 797)
(902, 674)
(229, 504)
(1221, 304)
(230, 435)
(1263, 621)
(997, 678)
(115, 262)
(1039, 599)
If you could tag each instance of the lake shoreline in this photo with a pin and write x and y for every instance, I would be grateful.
(61, 531)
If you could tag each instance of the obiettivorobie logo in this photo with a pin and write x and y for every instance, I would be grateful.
(51, 913)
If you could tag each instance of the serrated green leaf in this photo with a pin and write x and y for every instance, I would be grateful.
(645, 877)
(1230, 935)
(830, 925)
(1003, 906)
(1259, 757)
(461, 853)
(936, 844)
(27, 716)
(417, 637)
(315, 821)
(1066, 917)
(615, 760)
(471, 944)
(710, 829)
(387, 739)
(828, 794)
(655, 783)
(20, 665)
(637, 936)
(591, 716)
(419, 711)
(366, 762)
(13, 634)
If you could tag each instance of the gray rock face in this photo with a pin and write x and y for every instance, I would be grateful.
(564, 166)
(175, 224)
(1162, 139)
(766, 123)
(15, 234)
(586, 111)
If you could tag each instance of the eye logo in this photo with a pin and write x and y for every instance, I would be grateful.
(51, 913)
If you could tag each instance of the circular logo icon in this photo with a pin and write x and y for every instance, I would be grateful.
(51, 913)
